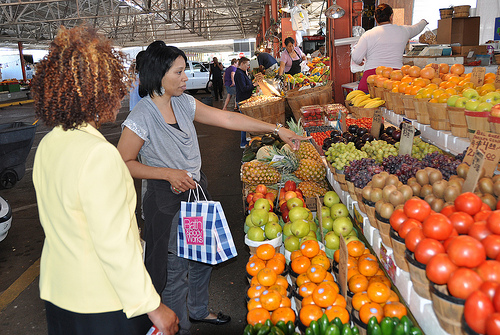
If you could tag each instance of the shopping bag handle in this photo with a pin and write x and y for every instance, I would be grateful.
(196, 193)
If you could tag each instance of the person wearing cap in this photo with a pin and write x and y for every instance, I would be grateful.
(267, 63)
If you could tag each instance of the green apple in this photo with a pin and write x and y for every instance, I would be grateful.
(300, 228)
(491, 97)
(342, 226)
(312, 225)
(460, 103)
(259, 216)
(298, 213)
(484, 107)
(262, 203)
(332, 240)
(294, 202)
(308, 237)
(339, 211)
(287, 229)
(452, 100)
(311, 233)
(327, 223)
(273, 217)
(351, 238)
(470, 93)
(352, 233)
(325, 211)
(331, 198)
(256, 234)
(292, 243)
(472, 104)
(248, 221)
(272, 230)
(310, 216)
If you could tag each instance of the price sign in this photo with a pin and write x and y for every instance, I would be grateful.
(497, 78)
(474, 172)
(343, 122)
(376, 122)
(343, 256)
(478, 76)
(489, 143)
(406, 142)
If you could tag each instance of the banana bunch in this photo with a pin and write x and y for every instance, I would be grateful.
(353, 94)
(373, 103)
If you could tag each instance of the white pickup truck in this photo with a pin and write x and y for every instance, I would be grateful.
(197, 74)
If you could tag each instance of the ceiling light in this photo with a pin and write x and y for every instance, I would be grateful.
(123, 4)
(334, 11)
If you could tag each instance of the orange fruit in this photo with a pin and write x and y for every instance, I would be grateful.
(332, 284)
(254, 281)
(381, 279)
(380, 272)
(295, 254)
(307, 289)
(393, 308)
(355, 248)
(322, 252)
(340, 301)
(255, 266)
(378, 292)
(316, 273)
(371, 309)
(324, 295)
(393, 297)
(284, 314)
(340, 312)
(300, 264)
(252, 258)
(321, 260)
(285, 302)
(280, 289)
(255, 291)
(329, 277)
(280, 257)
(359, 299)
(254, 303)
(267, 277)
(258, 315)
(280, 280)
(352, 271)
(302, 279)
(265, 251)
(308, 300)
(358, 283)
(309, 248)
(277, 265)
(310, 313)
(270, 300)
(368, 266)
(351, 261)
(336, 255)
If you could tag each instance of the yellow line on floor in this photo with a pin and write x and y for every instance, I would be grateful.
(15, 103)
(21, 283)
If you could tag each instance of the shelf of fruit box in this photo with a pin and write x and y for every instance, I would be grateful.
(421, 308)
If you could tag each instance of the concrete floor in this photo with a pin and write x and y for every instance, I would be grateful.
(21, 310)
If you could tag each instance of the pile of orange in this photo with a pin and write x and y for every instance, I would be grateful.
(372, 291)
(267, 294)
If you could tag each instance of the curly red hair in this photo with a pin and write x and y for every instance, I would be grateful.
(82, 79)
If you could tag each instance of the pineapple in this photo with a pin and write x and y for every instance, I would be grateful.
(304, 169)
(306, 149)
(311, 189)
(255, 172)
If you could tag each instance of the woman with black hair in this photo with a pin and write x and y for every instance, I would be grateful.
(291, 58)
(161, 130)
(383, 45)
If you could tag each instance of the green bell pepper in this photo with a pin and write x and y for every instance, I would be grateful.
(338, 323)
(323, 322)
(415, 331)
(399, 330)
(256, 328)
(346, 330)
(387, 326)
(309, 331)
(355, 330)
(290, 328)
(264, 330)
(282, 326)
(314, 326)
(276, 331)
(268, 323)
(376, 329)
(332, 329)
(395, 321)
(371, 323)
(248, 330)
(407, 324)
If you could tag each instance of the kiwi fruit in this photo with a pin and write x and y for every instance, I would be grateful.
(438, 188)
(378, 181)
(416, 188)
(378, 205)
(457, 182)
(376, 194)
(392, 180)
(386, 210)
(486, 185)
(437, 205)
(425, 191)
(399, 207)
(428, 170)
(422, 177)
(407, 191)
(463, 170)
(495, 178)
(453, 176)
(435, 176)
(367, 191)
(451, 193)
(384, 174)
(496, 187)
(387, 191)
(396, 198)
(489, 200)
(429, 198)
(369, 183)
(411, 181)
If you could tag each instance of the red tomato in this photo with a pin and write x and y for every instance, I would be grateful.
(479, 230)
(466, 251)
(489, 271)
(469, 203)
(397, 219)
(493, 222)
(485, 207)
(489, 287)
(496, 299)
(437, 226)
(447, 242)
(482, 216)
(498, 204)
(493, 324)
(417, 209)
(427, 248)
(463, 282)
(439, 268)
(448, 210)
(491, 244)
(477, 308)
(407, 226)
(413, 238)
(461, 221)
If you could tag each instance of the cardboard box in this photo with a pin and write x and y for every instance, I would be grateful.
(464, 50)
(463, 30)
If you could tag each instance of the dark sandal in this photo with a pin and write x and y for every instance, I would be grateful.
(220, 320)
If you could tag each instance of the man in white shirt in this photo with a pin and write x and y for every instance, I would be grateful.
(384, 44)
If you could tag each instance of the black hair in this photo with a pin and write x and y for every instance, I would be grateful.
(243, 60)
(383, 13)
(289, 40)
(138, 59)
(156, 61)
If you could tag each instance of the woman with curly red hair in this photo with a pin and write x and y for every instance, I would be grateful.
(92, 277)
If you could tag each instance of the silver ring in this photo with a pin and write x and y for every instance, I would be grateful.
(190, 175)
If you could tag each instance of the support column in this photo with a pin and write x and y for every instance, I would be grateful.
(23, 67)
(274, 14)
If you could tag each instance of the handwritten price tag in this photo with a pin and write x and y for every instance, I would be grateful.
(343, 122)
(488, 143)
(478, 76)
(376, 122)
(406, 142)
(474, 172)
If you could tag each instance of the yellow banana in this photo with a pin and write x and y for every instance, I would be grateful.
(365, 102)
(375, 104)
(359, 99)
(354, 94)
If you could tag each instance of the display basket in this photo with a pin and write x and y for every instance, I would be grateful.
(341, 180)
(477, 121)
(272, 111)
(360, 112)
(371, 90)
(359, 196)
(399, 247)
(319, 95)
(388, 99)
(379, 93)
(409, 106)
(494, 124)
(446, 13)
(438, 116)
(421, 111)
(448, 309)
(461, 11)
(253, 245)
(370, 212)
(397, 102)
(362, 327)
(384, 228)
(418, 276)
(352, 192)
(458, 122)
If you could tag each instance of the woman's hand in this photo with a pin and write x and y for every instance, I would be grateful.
(291, 138)
(181, 180)
(165, 320)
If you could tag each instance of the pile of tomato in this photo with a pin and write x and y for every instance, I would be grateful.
(365, 122)
(460, 247)
(320, 137)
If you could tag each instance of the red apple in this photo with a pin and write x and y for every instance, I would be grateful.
(299, 193)
(249, 197)
(290, 194)
(270, 196)
(261, 188)
(257, 196)
(495, 110)
(290, 185)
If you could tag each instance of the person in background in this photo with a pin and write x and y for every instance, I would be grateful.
(267, 63)
(92, 276)
(216, 76)
(229, 83)
(161, 129)
(320, 52)
(384, 44)
(244, 89)
(134, 91)
(290, 58)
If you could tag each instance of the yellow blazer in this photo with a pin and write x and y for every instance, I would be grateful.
(91, 259)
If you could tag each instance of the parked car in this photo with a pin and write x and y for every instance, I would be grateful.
(198, 77)
(5, 218)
